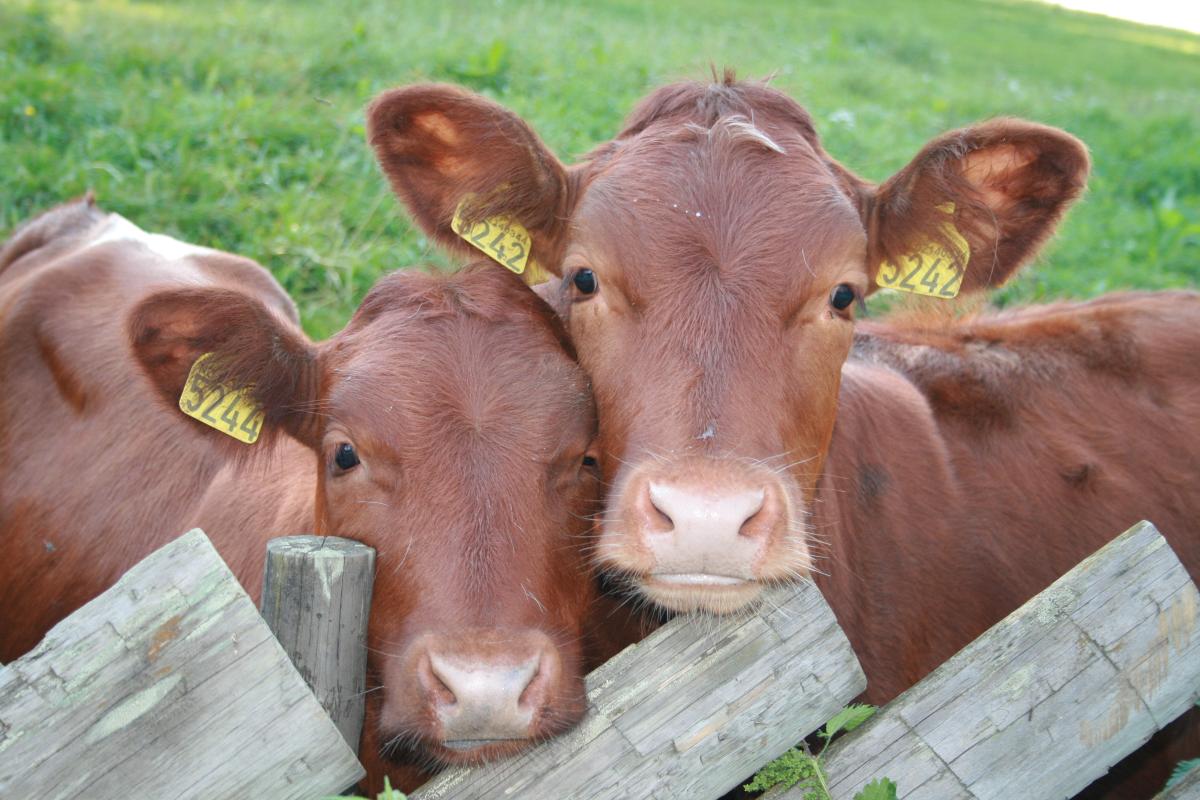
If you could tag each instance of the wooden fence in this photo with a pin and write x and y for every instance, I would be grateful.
(1039, 706)
(316, 599)
(689, 711)
(1051, 697)
(170, 685)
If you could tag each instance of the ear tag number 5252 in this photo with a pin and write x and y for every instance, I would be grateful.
(228, 410)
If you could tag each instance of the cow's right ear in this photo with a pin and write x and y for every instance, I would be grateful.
(253, 347)
(441, 145)
(1002, 186)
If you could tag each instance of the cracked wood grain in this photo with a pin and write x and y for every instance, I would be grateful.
(317, 600)
(170, 684)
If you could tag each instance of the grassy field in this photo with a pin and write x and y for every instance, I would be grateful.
(239, 124)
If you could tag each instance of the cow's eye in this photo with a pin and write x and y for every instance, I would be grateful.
(590, 462)
(842, 296)
(585, 281)
(345, 457)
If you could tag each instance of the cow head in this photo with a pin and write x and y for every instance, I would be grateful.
(450, 427)
(709, 263)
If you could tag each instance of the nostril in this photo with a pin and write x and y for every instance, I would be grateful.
(535, 693)
(435, 684)
(658, 502)
(755, 517)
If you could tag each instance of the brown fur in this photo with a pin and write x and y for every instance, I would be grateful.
(469, 415)
(937, 472)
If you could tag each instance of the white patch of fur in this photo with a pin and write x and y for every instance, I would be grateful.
(118, 229)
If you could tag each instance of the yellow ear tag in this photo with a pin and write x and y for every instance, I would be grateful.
(930, 271)
(502, 238)
(534, 274)
(228, 410)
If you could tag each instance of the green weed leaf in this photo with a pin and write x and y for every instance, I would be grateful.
(388, 793)
(1181, 770)
(847, 719)
(788, 770)
(878, 789)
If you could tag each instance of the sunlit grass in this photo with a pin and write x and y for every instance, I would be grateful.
(239, 124)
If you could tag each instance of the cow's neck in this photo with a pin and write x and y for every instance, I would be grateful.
(909, 585)
(262, 494)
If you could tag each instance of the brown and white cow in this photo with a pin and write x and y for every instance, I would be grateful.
(447, 426)
(931, 473)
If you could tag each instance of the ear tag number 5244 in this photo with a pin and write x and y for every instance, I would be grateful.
(228, 410)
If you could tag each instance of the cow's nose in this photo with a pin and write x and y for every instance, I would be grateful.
(705, 534)
(480, 700)
(702, 516)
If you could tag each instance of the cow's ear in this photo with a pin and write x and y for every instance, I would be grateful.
(442, 146)
(1003, 185)
(254, 349)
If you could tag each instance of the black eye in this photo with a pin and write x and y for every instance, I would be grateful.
(842, 296)
(345, 457)
(585, 281)
(590, 462)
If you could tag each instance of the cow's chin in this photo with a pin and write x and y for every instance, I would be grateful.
(472, 752)
(700, 592)
(427, 747)
(432, 753)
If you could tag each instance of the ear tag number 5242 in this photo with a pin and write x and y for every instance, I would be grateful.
(931, 270)
(501, 238)
(228, 410)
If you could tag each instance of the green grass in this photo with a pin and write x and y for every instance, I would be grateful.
(239, 124)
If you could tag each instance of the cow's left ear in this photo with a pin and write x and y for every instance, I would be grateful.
(1003, 185)
(253, 349)
(444, 148)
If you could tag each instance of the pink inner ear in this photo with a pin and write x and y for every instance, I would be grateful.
(184, 328)
(182, 354)
(436, 125)
(994, 171)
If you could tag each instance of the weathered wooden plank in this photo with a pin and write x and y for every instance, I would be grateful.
(167, 685)
(1051, 697)
(1187, 789)
(317, 599)
(690, 711)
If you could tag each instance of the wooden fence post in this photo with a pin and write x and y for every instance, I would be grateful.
(689, 711)
(317, 599)
(167, 685)
(1051, 697)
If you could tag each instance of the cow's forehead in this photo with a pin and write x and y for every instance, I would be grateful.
(501, 384)
(672, 203)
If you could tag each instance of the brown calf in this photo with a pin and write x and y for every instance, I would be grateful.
(933, 474)
(446, 426)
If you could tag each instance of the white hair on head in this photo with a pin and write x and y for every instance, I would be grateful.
(737, 127)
